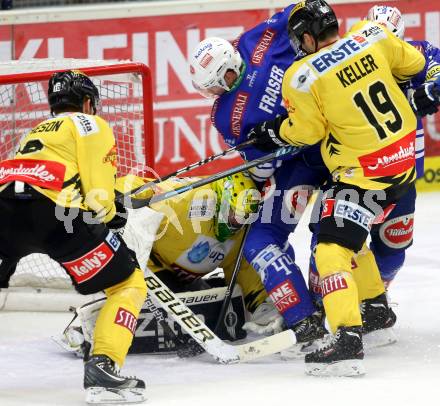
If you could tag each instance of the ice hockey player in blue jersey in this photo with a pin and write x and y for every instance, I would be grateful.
(246, 78)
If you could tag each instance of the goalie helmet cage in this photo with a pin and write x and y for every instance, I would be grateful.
(126, 103)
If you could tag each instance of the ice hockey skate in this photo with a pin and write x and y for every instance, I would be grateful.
(342, 356)
(378, 320)
(104, 384)
(310, 333)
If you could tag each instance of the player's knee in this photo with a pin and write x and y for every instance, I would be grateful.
(332, 258)
(134, 288)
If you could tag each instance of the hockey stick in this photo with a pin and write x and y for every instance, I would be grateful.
(138, 203)
(185, 169)
(192, 325)
(231, 285)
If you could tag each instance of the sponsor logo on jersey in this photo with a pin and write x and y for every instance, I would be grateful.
(271, 96)
(47, 174)
(262, 47)
(85, 124)
(327, 208)
(391, 160)
(398, 232)
(344, 49)
(238, 109)
(284, 296)
(202, 208)
(332, 284)
(87, 266)
(206, 60)
(354, 213)
(198, 252)
(111, 156)
(126, 319)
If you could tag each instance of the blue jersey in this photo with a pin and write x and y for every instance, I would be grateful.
(267, 53)
(429, 72)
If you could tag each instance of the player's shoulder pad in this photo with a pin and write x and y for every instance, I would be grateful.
(86, 124)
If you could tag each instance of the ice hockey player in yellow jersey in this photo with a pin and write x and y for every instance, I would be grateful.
(344, 94)
(57, 198)
(202, 231)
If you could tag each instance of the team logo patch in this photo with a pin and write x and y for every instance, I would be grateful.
(354, 213)
(332, 284)
(126, 319)
(391, 160)
(87, 266)
(47, 174)
(284, 296)
(398, 232)
(199, 252)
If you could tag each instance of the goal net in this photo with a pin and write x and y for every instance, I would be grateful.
(126, 97)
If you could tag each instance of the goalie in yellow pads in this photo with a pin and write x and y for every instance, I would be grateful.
(202, 230)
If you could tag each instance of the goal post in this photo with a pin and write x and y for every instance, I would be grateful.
(126, 93)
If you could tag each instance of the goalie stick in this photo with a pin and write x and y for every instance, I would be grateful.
(138, 203)
(194, 165)
(211, 343)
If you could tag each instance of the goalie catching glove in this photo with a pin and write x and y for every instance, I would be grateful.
(265, 320)
(426, 98)
(266, 135)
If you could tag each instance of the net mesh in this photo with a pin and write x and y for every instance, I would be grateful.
(24, 105)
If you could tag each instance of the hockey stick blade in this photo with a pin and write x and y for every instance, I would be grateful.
(203, 335)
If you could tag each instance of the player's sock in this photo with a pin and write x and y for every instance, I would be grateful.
(377, 322)
(104, 384)
(342, 356)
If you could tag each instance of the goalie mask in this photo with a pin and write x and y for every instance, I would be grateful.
(209, 62)
(68, 89)
(390, 17)
(237, 199)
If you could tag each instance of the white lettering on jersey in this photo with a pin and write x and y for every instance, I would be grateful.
(354, 213)
(85, 124)
(272, 91)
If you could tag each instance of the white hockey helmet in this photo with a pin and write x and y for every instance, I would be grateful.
(390, 17)
(209, 62)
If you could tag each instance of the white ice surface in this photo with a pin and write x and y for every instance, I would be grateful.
(33, 371)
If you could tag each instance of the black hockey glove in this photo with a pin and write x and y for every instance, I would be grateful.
(266, 135)
(426, 98)
(120, 219)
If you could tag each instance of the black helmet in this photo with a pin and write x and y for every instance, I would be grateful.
(311, 16)
(69, 88)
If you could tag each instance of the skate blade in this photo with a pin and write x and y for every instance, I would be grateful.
(103, 396)
(352, 367)
(379, 338)
(299, 351)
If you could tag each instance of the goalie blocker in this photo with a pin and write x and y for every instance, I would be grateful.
(150, 335)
